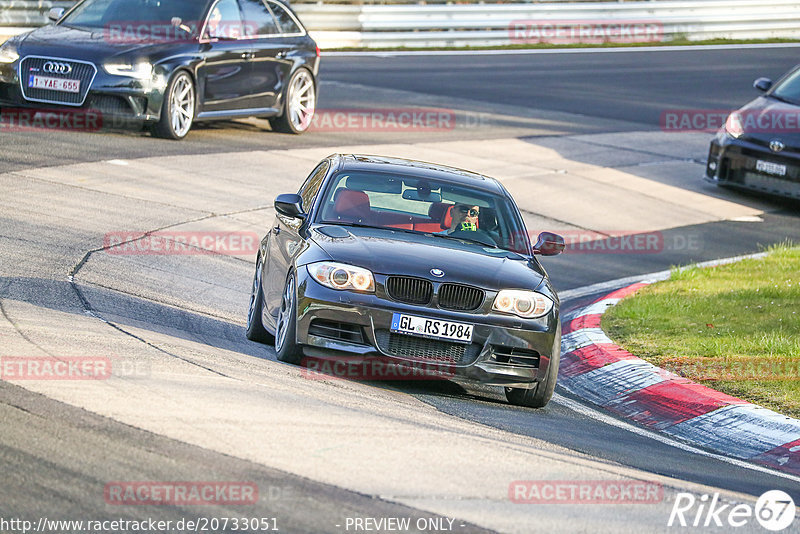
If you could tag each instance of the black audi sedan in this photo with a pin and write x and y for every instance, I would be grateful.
(758, 148)
(411, 262)
(166, 63)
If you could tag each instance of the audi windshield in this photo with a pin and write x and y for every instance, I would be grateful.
(125, 14)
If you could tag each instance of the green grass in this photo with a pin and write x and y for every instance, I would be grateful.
(735, 328)
(674, 42)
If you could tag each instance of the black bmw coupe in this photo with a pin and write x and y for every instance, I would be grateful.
(411, 262)
(167, 63)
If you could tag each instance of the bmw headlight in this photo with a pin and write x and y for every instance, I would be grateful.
(342, 276)
(733, 125)
(527, 304)
(141, 71)
(8, 53)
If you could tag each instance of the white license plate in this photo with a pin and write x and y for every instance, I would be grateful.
(771, 168)
(431, 328)
(56, 84)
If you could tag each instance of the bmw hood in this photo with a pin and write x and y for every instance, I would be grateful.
(384, 251)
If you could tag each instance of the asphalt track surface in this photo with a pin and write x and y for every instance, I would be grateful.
(54, 454)
(631, 86)
(629, 90)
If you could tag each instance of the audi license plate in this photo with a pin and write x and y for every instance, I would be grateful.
(771, 168)
(56, 84)
(431, 328)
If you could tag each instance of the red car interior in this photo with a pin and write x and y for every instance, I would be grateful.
(351, 205)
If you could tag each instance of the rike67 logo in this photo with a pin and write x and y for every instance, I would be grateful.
(774, 510)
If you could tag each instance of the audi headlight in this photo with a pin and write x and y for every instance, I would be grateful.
(141, 71)
(341, 276)
(527, 304)
(8, 53)
(733, 125)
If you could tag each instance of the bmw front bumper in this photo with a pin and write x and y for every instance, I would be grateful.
(505, 350)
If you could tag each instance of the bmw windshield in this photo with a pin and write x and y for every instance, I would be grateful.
(423, 205)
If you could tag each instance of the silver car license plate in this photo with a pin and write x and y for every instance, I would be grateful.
(771, 168)
(55, 84)
(431, 328)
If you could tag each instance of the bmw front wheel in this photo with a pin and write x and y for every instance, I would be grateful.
(539, 396)
(286, 347)
(255, 327)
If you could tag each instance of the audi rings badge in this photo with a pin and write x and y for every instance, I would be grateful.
(57, 67)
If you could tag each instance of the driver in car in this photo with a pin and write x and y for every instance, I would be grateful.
(214, 20)
(465, 218)
(224, 25)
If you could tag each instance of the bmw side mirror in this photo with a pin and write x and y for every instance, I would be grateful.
(763, 84)
(290, 205)
(549, 244)
(55, 13)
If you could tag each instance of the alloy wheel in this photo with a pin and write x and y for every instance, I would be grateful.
(181, 105)
(302, 100)
(256, 287)
(285, 314)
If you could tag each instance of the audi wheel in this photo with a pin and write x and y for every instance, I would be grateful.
(299, 104)
(178, 109)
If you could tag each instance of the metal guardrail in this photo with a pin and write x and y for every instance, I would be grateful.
(28, 12)
(32, 13)
(461, 25)
(435, 24)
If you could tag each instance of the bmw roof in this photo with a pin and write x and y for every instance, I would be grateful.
(418, 169)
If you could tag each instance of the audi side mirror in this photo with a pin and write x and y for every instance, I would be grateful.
(763, 84)
(290, 205)
(549, 244)
(55, 13)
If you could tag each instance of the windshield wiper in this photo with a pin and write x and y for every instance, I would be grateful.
(448, 236)
(416, 232)
(362, 225)
(354, 224)
(782, 99)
